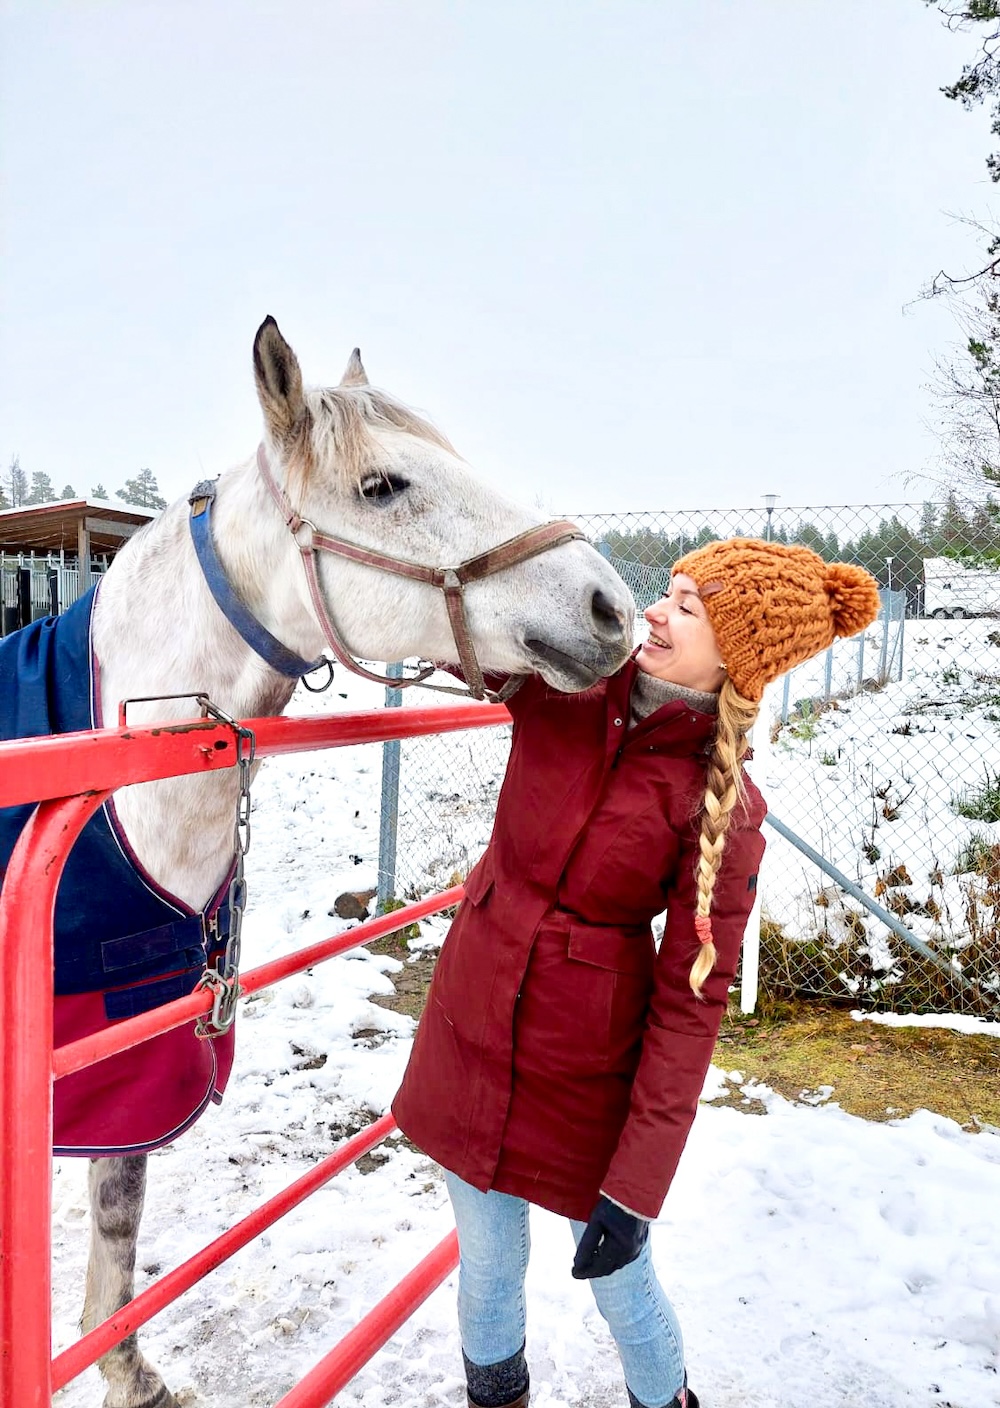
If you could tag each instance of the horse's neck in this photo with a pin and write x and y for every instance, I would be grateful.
(158, 632)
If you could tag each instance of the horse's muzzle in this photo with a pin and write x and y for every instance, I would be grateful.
(572, 673)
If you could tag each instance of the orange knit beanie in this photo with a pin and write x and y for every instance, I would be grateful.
(772, 606)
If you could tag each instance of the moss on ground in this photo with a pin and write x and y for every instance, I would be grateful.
(877, 1072)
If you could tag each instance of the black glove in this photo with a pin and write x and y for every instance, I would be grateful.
(611, 1239)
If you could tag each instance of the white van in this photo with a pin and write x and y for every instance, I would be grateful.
(952, 589)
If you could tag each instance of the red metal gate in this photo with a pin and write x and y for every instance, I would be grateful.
(70, 776)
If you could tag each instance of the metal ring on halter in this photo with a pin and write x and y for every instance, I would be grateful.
(320, 688)
(305, 543)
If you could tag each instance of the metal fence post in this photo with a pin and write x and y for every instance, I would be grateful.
(389, 809)
(883, 663)
(27, 907)
(760, 739)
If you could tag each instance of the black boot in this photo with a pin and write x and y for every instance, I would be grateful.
(501, 1385)
(684, 1399)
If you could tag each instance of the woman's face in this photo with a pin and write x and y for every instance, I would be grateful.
(681, 647)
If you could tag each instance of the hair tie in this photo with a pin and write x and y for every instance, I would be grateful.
(703, 928)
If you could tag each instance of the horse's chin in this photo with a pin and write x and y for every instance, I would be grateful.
(568, 673)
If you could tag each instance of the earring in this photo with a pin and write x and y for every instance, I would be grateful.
(722, 665)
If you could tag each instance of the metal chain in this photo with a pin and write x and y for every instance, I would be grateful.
(224, 982)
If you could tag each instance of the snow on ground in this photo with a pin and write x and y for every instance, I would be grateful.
(957, 1022)
(816, 1260)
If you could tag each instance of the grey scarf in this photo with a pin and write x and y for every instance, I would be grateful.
(648, 693)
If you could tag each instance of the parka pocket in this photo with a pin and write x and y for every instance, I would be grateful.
(615, 949)
(621, 962)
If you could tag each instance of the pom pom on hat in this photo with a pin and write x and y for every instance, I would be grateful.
(854, 599)
(773, 605)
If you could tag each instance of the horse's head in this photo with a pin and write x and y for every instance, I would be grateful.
(358, 465)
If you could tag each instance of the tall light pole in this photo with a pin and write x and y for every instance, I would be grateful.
(888, 568)
(769, 501)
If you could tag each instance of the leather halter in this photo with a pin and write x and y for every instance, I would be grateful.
(450, 580)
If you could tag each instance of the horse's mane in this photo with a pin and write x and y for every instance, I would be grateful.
(343, 418)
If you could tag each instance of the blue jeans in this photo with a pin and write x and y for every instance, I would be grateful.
(494, 1242)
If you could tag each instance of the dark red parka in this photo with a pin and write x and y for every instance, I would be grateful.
(560, 1055)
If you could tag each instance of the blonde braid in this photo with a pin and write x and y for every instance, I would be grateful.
(723, 789)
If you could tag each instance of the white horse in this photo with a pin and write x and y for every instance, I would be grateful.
(355, 462)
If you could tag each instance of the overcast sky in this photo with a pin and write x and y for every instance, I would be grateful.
(627, 255)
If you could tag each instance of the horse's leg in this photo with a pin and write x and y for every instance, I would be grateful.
(117, 1192)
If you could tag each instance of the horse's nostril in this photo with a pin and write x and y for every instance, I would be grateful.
(609, 618)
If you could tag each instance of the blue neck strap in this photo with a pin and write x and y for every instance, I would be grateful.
(257, 637)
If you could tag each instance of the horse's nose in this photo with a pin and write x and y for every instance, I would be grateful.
(609, 619)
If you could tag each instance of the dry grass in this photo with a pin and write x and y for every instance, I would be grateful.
(876, 1072)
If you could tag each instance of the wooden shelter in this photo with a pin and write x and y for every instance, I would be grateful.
(71, 529)
(51, 554)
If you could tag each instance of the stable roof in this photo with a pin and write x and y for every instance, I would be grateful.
(76, 526)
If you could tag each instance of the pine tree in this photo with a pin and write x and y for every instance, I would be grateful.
(16, 483)
(68, 492)
(953, 529)
(929, 525)
(890, 552)
(4, 501)
(810, 536)
(42, 489)
(99, 492)
(143, 491)
(979, 82)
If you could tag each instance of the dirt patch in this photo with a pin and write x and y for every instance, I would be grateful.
(879, 1073)
(412, 982)
(374, 1159)
(735, 1099)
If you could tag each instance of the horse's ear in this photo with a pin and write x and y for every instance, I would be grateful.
(354, 373)
(279, 380)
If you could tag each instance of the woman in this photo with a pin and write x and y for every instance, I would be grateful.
(560, 1056)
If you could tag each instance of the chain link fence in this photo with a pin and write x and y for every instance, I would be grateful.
(882, 756)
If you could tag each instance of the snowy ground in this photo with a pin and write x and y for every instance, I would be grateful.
(816, 1261)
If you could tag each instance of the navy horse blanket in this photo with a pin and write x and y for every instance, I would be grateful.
(123, 944)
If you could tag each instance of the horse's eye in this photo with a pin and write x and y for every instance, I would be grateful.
(383, 488)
